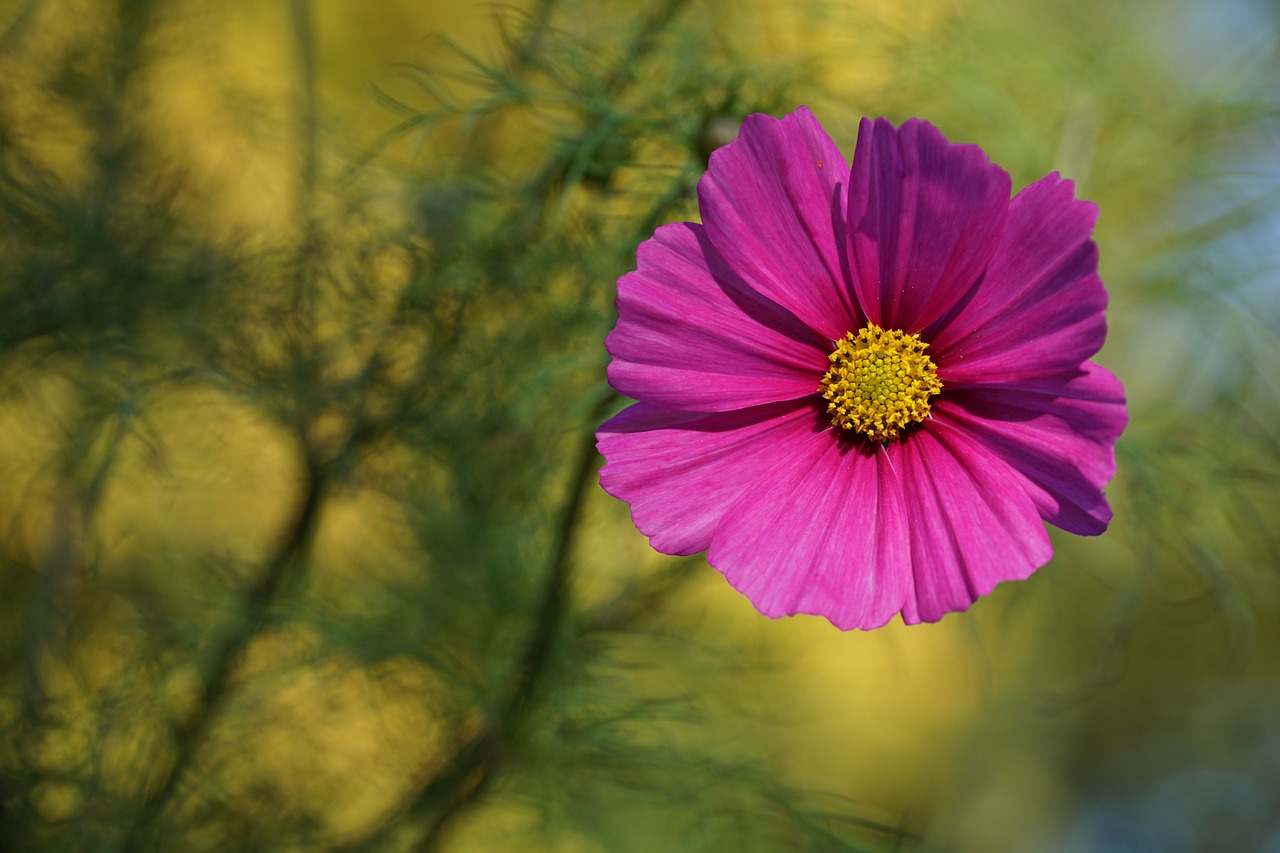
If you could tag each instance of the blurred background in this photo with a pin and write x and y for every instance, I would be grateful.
(302, 307)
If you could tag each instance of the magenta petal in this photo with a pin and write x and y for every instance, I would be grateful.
(924, 217)
(971, 524)
(825, 533)
(679, 471)
(772, 203)
(1039, 309)
(1060, 436)
(723, 335)
(688, 338)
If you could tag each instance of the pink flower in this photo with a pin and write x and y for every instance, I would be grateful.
(862, 391)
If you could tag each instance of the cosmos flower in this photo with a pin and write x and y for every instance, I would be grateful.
(863, 391)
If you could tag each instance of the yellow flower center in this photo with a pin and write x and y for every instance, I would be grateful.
(880, 382)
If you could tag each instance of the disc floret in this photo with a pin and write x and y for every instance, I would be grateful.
(879, 382)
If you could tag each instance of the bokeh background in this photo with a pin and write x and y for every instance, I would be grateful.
(302, 306)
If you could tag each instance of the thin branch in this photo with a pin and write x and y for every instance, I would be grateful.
(472, 768)
(290, 557)
(304, 42)
(469, 770)
(282, 567)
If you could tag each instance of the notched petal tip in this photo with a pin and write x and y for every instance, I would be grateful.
(772, 205)
(679, 471)
(690, 335)
(924, 217)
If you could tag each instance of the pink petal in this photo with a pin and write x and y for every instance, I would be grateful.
(772, 203)
(1039, 309)
(692, 336)
(971, 524)
(924, 217)
(825, 533)
(723, 333)
(1060, 436)
(679, 471)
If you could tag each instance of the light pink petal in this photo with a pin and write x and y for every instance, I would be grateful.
(772, 202)
(679, 471)
(971, 523)
(1060, 436)
(924, 217)
(1039, 309)
(692, 336)
(824, 534)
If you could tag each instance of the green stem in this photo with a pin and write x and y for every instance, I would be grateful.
(472, 768)
(281, 568)
(305, 43)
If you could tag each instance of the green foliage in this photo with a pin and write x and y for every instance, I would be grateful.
(426, 357)
(304, 548)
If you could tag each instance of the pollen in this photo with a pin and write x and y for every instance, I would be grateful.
(879, 383)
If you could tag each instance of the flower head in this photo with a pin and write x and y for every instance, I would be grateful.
(862, 391)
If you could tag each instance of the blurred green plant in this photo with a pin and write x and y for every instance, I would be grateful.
(439, 356)
(305, 546)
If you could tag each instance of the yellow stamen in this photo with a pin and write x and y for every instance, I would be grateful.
(880, 382)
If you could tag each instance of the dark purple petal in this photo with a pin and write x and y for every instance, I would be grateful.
(772, 203)
(690, 339)
(1059, 435)
(825, 533)
(925, 216)
(679, 471)
(971, 524)
(1039, 309)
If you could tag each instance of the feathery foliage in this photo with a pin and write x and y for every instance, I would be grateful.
(303, 546)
